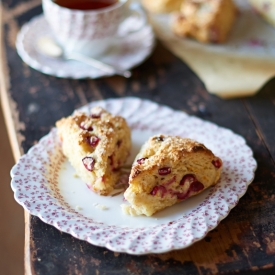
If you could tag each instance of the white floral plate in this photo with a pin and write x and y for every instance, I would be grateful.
(44, 184)
(127, 52)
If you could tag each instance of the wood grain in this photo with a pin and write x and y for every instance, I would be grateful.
(11, 213)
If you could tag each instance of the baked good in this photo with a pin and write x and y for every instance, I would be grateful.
(266, 8)
(161, 6)
(208, 21)
(169, 170)
(96, 146)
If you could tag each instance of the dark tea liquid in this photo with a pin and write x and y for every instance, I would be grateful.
(85, 4)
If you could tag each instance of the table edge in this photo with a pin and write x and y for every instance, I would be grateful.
(16, 148)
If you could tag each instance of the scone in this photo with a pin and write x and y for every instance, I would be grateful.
(208, 21)
(161, 6)
(96, 146)
(169, 170)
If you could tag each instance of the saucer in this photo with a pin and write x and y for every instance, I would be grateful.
(127, 52)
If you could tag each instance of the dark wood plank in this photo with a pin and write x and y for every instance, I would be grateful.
(262, 110)
(243, 242)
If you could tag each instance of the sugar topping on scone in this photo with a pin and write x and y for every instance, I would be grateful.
(97, 145)
(168, 170)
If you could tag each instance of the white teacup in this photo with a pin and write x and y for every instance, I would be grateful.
(89, 32)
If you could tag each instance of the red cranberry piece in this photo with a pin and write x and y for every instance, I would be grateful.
(119, 143)
(188, 177)
(214, 34)
(196, 186)
(111, 158)
(141, 161)
(93, 140)
(89, 163)
(182, 196)
(160, 138)
(84, 127)
(217, 163)
(159, 188)
(95, 115)
(164, 171)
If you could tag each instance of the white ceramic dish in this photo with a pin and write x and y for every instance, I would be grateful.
(44, 184)
(126, 52)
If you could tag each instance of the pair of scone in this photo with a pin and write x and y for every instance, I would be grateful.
(166, 171)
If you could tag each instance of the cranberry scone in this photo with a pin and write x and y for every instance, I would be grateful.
(96, 146)
(208, 21)
(168, 170)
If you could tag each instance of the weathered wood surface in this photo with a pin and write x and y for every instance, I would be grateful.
(243, 243)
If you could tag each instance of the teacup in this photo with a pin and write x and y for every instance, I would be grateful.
(91, 32)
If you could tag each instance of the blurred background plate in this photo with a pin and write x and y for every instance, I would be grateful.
(240, 66)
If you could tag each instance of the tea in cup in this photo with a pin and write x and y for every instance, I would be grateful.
(89, 26)
(85, 4)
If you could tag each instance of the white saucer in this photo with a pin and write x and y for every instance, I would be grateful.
(126, 53)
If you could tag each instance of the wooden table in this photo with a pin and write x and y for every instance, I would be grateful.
(242, 243)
